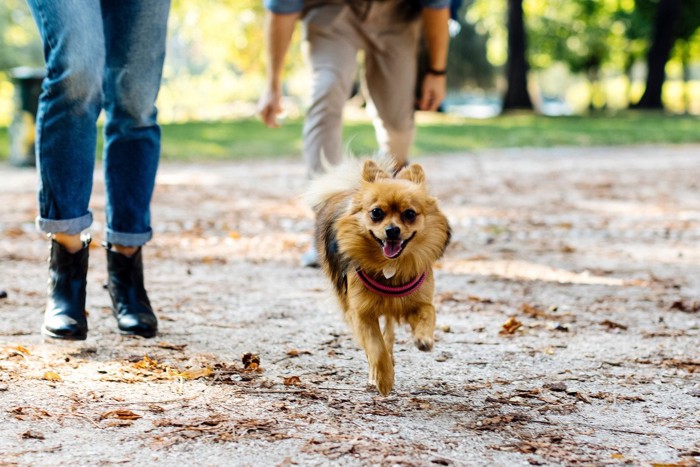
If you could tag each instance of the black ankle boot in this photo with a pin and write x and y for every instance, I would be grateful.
(130, 304)
(65, 308)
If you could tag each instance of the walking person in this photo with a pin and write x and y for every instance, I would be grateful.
(388, 32)
(100, 55)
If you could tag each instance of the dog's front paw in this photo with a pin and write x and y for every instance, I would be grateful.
(382, 379)
(385, 383)
(424, 343)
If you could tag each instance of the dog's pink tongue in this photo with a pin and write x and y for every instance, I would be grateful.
(391, 248)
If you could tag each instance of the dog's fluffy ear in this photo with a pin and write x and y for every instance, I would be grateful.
(413, 173)
(372, 172)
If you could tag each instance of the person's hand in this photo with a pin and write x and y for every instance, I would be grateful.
(432, 92)
(269, 107)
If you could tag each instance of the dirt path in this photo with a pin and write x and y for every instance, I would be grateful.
(595, 252)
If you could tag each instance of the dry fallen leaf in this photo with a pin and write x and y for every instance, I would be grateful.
(194, 374)
(251, 362)
(613, 325)
(29, 413)
(686, 306)
(120, 414)
(21, 349)
(292, 381)
(474, 298)
(32, 435)
(147, 363)
(510, 326)
(51, 376)
(169, 346)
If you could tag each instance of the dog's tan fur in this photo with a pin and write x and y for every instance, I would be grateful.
(347, 237)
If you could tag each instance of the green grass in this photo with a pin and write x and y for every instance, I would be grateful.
(4, 143)
(245, 139)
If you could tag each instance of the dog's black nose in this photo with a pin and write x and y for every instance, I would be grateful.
(392, 232)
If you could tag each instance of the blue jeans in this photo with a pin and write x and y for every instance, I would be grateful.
(100, 54)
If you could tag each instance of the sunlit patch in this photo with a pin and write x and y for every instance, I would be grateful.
(525, 270)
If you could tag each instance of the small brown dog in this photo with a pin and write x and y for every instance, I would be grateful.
(378, 237)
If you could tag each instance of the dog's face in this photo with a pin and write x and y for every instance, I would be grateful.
(392, 209)
(394, 219)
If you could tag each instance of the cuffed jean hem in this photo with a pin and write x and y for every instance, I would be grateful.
(128, 239)
(64, 226)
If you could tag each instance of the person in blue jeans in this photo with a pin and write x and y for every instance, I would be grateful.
(100, 55)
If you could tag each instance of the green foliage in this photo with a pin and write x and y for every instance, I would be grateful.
(19, 39)
(575, 32)
(211, 36)
(468, 65)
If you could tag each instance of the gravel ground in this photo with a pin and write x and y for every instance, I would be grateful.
(568, 325)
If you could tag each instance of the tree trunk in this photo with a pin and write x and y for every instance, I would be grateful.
(667, 14)
(517, 96)
(685, 59)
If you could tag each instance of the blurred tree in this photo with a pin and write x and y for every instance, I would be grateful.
(227, 35)
(578, 33)
(664, 35)
(467, 60)
(675, 23)
(688, 42)
(19, 39)
(517, 95)
(636, 18)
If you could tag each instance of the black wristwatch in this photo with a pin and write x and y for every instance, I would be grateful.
(433, 71)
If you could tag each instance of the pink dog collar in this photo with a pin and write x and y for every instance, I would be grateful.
(389, 291)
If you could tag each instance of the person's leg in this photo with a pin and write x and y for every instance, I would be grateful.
(390, 79)
(135, 33)
(70, 102)
(69, 105)
(331, 48)
(332, 54)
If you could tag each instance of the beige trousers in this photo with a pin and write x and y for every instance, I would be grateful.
(333, 37)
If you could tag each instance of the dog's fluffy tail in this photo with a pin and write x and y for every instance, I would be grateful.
(341, 178)
(337, 179)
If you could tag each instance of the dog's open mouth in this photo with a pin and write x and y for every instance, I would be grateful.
(392, 248)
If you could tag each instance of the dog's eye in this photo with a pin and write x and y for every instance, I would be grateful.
(409, 215)
(376, 214)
